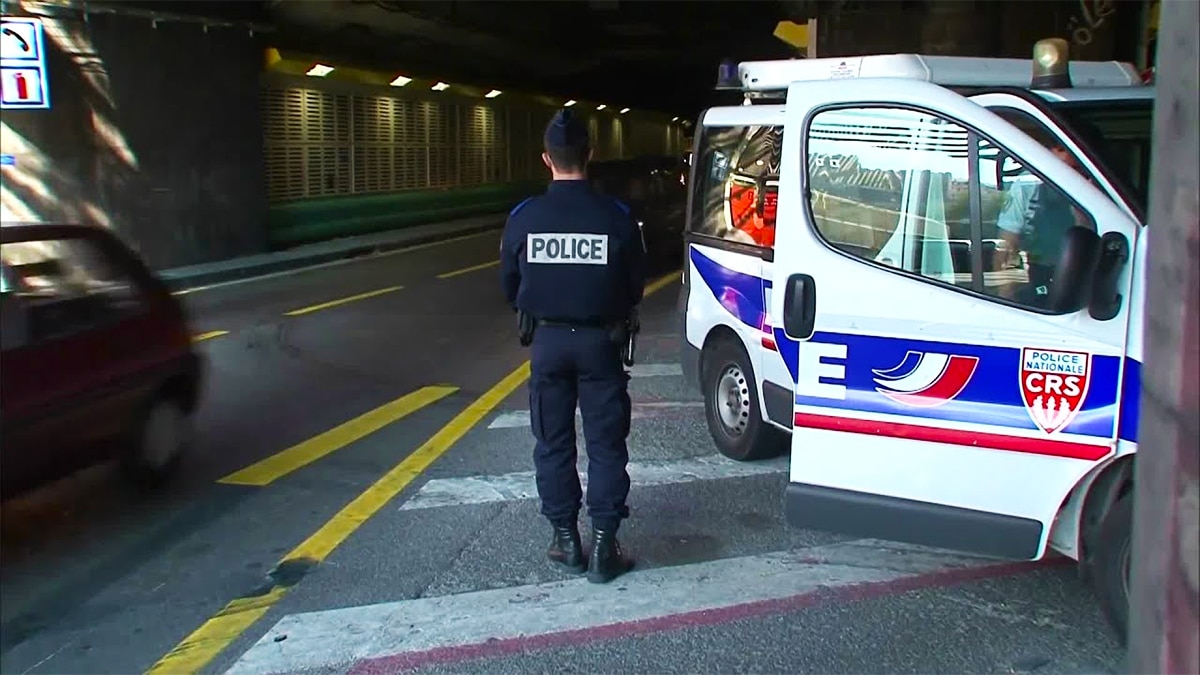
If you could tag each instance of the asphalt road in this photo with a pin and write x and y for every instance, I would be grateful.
(429, 500)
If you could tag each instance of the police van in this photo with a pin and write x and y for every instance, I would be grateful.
(924, 277)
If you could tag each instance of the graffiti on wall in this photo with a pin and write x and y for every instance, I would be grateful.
(1091, 16)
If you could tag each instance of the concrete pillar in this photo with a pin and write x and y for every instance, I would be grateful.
(1164, 632)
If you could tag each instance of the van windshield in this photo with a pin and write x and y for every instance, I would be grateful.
(1119, 131)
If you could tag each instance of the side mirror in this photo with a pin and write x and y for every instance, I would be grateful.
(1106, 297)
(1072, 287)
(14, 322)
(799, 306)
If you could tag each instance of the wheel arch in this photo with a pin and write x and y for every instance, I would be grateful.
(718, 334)
(184, 385)
(1114, 482)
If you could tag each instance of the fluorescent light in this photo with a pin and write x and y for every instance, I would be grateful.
(674, 119)
(320, 70)
(601, 107)
(400, 81)
(492, 94)
(570, 103)
(624, 110)
(440, 86)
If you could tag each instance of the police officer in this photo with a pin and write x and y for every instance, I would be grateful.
(572, 263)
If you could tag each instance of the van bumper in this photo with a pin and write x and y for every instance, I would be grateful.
(871, 516)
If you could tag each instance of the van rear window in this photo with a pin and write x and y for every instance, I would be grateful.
(735, 192)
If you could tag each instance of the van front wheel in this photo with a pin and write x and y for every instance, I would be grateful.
(731, 405)
(1112, 556)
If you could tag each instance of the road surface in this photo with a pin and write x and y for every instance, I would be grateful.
(360, 499)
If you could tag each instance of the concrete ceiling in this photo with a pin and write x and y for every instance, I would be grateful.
(650, 54)
(644, 53)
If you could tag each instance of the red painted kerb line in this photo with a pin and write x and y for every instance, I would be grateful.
(695, 619)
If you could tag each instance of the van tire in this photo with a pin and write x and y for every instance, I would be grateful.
(1111, 557)
(156, 443)
(731, 404)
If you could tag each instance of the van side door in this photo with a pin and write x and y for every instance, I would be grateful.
(730, 242)
(952, 389)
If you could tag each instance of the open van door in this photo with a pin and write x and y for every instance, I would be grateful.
(953, 299)
(727, 282)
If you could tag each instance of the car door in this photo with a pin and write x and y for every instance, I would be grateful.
(944, 395)
(730, 243)
(81, 373)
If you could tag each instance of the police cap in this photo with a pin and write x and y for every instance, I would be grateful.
(566, 130)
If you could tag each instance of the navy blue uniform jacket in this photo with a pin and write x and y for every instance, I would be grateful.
(572, 255)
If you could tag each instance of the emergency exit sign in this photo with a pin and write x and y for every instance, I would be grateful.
(23, 81)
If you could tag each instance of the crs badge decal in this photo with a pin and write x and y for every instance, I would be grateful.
(926, 379)
(1054, 384)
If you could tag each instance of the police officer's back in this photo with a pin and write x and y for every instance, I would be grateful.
(572, 262)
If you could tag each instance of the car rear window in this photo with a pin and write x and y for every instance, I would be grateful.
(70, 270)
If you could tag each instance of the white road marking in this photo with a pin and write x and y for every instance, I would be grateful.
(341, 637)
(513, 419)
(655, 370)
(441, 492)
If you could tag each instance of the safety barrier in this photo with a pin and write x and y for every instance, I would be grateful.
(313, 220)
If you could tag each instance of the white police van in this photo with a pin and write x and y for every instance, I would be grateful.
(887, 262)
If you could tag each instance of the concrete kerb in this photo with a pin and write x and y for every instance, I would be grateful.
(192, 276)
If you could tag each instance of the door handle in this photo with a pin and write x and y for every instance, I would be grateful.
(799, 306)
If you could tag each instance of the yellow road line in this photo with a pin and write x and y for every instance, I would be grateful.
(465, 270)
(341, 526)
(302, 454)
(335, 303)
(212, 637)
(209, 335)
(659, 283)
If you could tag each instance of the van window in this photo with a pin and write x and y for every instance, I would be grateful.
(1121, 132)
(737, 184)
(1027, 218)
(893, 186)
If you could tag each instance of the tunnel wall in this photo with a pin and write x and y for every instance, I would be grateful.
(345, 158)
(327, 138)
(154, 132)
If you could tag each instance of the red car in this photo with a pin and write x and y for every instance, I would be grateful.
(96, 359)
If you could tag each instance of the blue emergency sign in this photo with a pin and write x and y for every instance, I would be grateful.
(24, 81)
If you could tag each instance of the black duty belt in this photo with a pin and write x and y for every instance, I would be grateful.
(576, 323)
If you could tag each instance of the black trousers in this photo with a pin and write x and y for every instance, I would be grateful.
(572, 366)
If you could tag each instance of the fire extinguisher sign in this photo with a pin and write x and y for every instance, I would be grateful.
(23, 81)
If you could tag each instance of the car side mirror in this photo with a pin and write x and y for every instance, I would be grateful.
(1073, 275)
(1106, 297)
(14, 322)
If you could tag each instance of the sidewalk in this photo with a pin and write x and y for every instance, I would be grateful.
(182, 278)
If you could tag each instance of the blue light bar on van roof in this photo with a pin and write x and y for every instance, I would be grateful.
(951, 71)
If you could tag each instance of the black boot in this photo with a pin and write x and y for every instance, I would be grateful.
(566, 549)
(607, 562)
